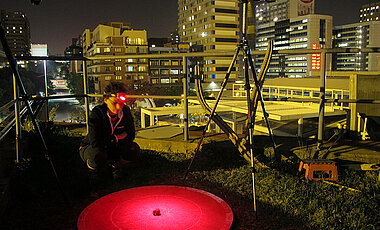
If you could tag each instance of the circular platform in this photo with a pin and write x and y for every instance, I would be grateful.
(157, 207)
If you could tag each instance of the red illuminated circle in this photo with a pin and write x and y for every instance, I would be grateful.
(157, 207)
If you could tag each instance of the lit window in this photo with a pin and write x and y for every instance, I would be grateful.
(130, 68)
(107, 50)
(118, 68)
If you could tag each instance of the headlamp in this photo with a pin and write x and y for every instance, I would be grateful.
(122, 97)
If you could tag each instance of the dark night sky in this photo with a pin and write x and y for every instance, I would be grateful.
(55, 22)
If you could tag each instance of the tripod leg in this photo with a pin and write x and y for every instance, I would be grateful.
(225, 81)
(257, 84)
(13, 64)
(250, 131)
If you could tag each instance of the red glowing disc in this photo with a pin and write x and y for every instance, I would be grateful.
(157, 207)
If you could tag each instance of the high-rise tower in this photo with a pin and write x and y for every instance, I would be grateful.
(212, 25)
(17, 32)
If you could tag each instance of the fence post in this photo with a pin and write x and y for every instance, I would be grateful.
(85, 92)
(17, 118)
(185, 100)
(322, 90)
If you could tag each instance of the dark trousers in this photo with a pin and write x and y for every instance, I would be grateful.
(97, 157)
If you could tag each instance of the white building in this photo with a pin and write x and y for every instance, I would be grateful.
(357, 35)
(291, 24)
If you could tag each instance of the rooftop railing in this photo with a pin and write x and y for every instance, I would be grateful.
(320, 95)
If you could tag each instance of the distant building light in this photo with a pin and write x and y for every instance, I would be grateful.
(275, 19)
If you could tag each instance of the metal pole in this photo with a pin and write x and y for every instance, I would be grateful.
(321, 121)
(17, 118)
(185, 100)
(46, 93)
(85, 91)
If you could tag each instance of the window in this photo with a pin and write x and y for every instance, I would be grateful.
(130, 68)
(225, 40)
(119, 78)
(107, 78)
(118, 68)
(165, 80)
(174, 71)
(107, 50)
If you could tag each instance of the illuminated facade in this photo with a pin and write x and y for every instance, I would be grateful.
(116, 39)
(214, 26)
(357, 35)
(292, 24)
(370, 12)
(282, 10)
(17, 32)
(169, 70)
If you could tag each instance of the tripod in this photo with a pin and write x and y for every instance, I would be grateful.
(25, 97)
(248, 64)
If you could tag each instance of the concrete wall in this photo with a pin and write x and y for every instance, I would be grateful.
(364, 87)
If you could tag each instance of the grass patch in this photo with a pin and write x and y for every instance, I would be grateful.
(285, 200)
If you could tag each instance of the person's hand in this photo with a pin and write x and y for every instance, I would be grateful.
(121, 136)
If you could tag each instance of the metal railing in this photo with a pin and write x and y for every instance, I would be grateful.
(273, 91)
(322, 96)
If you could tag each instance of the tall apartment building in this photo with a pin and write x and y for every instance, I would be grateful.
(17, 32)
(292, 24)
(75, 50)
(357, 35)
(116, 39)
(370, 12)
(282, 10)
(213, 25)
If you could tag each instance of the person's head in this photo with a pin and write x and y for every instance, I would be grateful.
(114, 96)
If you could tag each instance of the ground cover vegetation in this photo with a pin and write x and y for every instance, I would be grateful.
(285, 199)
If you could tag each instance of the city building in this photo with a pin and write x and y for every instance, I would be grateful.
(116, 39)
(282, 10)
(357, 35)
(166, 71)
(75, 50)
(292, 24)
(210, 25)
(17, 32)
(370, 12)
(174, 37)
